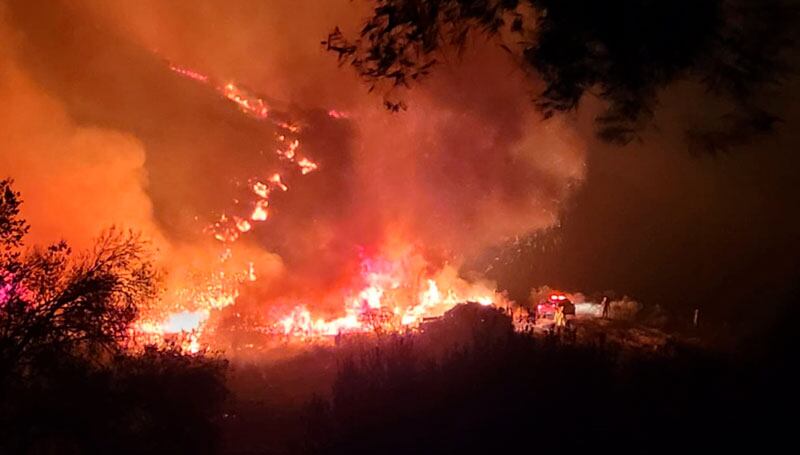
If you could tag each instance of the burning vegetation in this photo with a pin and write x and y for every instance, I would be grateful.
(393, 291)
(228, 245)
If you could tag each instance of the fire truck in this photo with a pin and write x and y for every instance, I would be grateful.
(547, 309)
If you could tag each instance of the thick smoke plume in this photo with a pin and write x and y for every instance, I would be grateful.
(77, 179)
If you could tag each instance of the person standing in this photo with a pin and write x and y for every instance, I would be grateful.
(606, 302)
(560, 319)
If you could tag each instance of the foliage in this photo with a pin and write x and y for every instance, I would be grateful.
(524, 393)
(12, 228)
(66, 383)
(159, 401)
(623, 51)
(74, 304)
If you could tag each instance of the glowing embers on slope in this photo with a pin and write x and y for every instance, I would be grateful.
(254, 106)
(224, 230)
(393, 291)
(333, 113)
(248, 103)
(242, 225)
(276, 180)
(260, 212)
(261, 189)
(184, 314)
(306, 166)
(186, 72)
(290, 150)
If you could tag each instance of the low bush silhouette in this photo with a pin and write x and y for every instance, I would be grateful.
(537, 394)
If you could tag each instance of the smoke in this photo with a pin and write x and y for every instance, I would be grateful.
(76, 179)
(107, 134)
(468, 165)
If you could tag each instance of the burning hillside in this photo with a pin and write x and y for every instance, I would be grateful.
(310, 215)
(326, 227)
(394, 290)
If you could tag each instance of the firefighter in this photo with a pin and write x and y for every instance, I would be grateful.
(560, 319)
(606, 303)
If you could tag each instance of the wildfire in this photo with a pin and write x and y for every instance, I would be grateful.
(188, 73)
(391, 299)
(248, 103)
(192, 307)
(289, 152)
(261, 189)
(243, 225)
(260, 212)
(395, 290)
(275, 179)
(306, 166)
(289, 127)
(333, 113)
(183, 322)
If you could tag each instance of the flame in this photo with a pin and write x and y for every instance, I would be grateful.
(275, 179)
(184, 316)
(306, 166)
(185, 321)
(396, 288)
(333, 113)
(390, 300)
(243, 225)
(289, 126)
(247, 102)
(260, 213)
(261, 189)
(188, 73)
(289, 152)
(251, 272)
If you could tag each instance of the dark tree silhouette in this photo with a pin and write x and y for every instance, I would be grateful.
(54, 301)
(80, 304)
(623, 51)
(67, 385)
(12, 228)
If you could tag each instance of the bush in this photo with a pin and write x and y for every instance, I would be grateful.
(158, 401)
(517, 392)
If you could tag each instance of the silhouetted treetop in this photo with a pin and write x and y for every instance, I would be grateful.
(623, 51)
(12, 227)
(67, 383)
(54, 302)
(57, 301)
